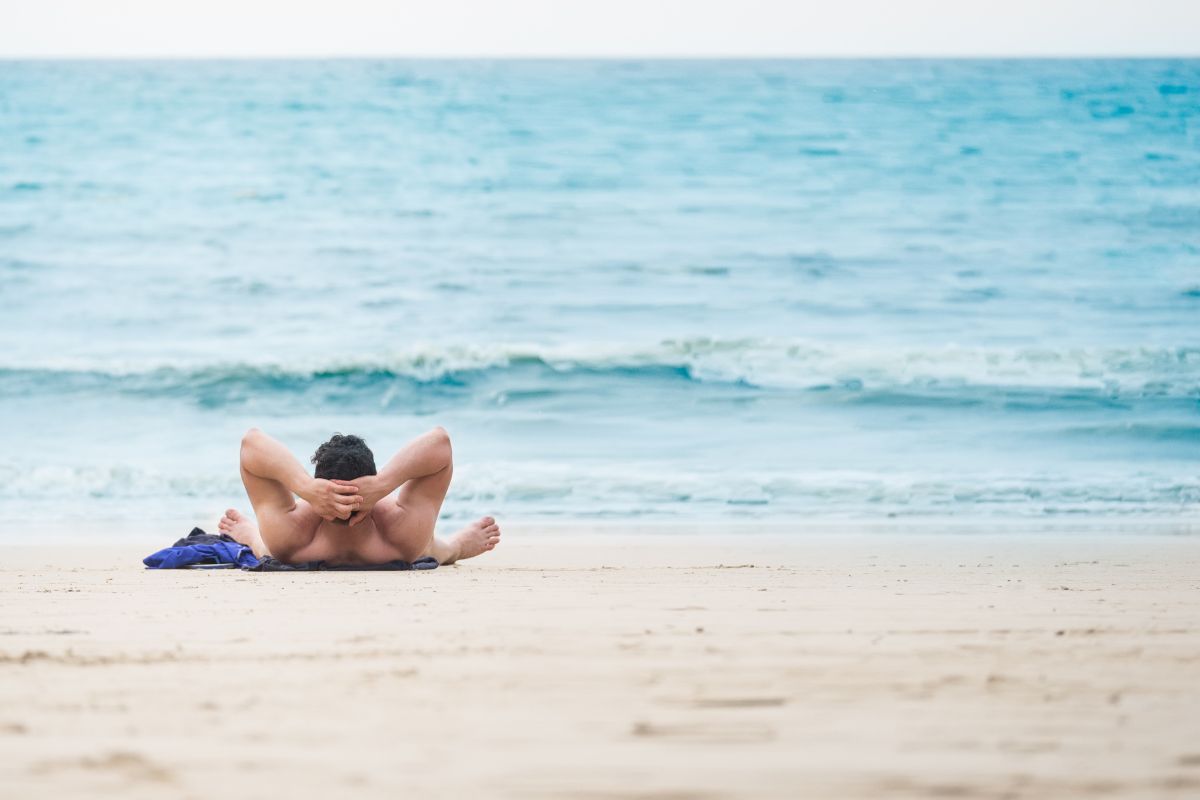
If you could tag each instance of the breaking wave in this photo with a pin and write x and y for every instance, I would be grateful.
(769, 364)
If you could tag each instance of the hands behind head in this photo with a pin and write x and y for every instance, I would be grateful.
(333, 499)
(370, 490)
(345, 500)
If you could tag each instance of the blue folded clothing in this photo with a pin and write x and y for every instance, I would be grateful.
(200, 549)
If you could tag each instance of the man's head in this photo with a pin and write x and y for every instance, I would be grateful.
(344, 458)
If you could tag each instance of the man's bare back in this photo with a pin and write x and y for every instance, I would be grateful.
(348, 520)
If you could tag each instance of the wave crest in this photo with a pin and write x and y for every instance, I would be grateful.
(764, 363)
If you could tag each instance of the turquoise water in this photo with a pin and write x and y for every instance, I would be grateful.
(676, 290)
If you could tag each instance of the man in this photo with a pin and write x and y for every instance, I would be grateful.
(339, 516)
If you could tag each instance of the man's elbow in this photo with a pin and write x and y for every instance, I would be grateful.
(440, 443)
(249, 439)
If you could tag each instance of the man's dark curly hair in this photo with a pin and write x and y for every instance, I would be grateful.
(344, 458)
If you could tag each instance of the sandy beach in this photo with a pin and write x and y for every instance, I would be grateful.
(607, 665)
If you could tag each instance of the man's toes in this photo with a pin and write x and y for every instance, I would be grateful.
(488, 521)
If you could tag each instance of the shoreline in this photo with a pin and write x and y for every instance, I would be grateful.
(615, 666)
(161, 532)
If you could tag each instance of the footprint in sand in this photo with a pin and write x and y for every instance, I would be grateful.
(727, 733)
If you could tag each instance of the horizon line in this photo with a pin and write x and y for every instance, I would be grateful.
(1138, 56)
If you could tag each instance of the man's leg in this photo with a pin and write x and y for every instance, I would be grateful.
(243, 530)
(479, 537)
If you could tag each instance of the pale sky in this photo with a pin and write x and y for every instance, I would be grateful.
(249, 28)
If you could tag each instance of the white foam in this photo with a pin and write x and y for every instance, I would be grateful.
(775, 363)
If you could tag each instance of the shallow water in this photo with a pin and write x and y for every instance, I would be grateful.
(657, 289)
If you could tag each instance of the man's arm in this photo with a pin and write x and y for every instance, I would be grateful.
(273, 476)
(428, 454)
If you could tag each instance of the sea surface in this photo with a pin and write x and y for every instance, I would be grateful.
(802, 291)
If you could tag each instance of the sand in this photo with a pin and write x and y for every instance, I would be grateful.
(610, 666)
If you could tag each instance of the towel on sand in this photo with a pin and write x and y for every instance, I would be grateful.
(200, 549)
(269, 564)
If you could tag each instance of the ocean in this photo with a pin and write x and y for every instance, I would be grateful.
(802, 291)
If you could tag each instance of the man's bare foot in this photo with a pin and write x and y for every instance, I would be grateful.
(478, 537)
(239, 526)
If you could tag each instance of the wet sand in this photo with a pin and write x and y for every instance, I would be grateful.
(610, 665)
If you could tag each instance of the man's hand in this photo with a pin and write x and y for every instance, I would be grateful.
(371, 489)
(332, 499)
